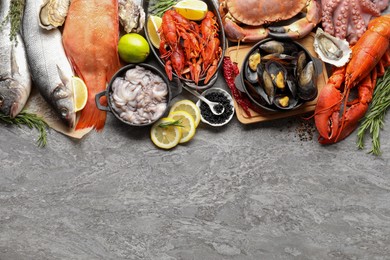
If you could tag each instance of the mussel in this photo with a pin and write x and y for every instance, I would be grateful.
(254, 60)
(301, 63)
(278, 73)
(285, 101)
(274, 46)
(267, 83)
(307, 89)
(257, 93)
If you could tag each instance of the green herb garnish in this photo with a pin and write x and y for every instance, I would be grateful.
(14, 16)
(31, 121)
(374, 119)
(159, 7)
(173, 123)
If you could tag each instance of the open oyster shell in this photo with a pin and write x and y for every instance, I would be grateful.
(331, 49)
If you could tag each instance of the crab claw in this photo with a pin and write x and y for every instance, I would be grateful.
(301, 27)
(236, 33)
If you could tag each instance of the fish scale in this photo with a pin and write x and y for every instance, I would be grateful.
(50, 69)
(15, 81)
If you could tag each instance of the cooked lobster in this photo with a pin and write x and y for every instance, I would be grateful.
(337, 114)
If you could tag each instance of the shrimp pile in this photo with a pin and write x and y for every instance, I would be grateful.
(140, 97)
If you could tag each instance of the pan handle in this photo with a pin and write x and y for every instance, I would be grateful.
(97, 101)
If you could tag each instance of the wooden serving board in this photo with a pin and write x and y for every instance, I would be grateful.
(238, 54)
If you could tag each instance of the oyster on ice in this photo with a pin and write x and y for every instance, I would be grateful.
(331, 49)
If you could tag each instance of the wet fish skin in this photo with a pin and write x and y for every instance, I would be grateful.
(50, 69)
(15, 78)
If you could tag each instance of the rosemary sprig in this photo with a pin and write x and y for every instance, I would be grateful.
(374, 119)
(30, 120)
(173, 123)
(159, 7)
(14, 16)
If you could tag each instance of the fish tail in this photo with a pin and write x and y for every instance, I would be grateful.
(91, 116)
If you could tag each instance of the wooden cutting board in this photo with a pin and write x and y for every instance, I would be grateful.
(238, 54)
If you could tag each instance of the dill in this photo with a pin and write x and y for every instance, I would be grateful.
(374, 119)
(30, 120)
(14, 16)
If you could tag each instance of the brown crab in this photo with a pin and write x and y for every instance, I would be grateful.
(251, 21)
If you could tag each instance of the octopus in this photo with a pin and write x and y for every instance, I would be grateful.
(348, 19)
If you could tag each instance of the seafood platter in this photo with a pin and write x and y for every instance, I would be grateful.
(277, 58)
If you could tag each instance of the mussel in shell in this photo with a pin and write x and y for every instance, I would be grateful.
(285, 101)
(274, 46)
(307, 89)
(301, 63)
(250, 75)
(277, 72)
(267, 83)
(254, 60)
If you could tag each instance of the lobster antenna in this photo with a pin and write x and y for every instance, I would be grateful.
(343, 116)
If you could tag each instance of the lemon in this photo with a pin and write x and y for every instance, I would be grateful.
(133, 48)
(80, 93)
(192, 9)
(189, 107)
(187, 122)
(165, 137)
(153, 24)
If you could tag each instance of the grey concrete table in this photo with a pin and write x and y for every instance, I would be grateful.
(238, 192)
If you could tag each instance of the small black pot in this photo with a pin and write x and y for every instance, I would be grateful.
(120, 73)
(239, 81)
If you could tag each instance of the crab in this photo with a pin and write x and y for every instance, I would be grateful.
(252, 21)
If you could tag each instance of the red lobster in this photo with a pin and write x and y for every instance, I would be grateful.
(370, 56)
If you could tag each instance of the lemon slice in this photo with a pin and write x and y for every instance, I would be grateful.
(153, 24)
(189, 107)
(192, 9)
(167, 136)
(80, 93)
(187, 122)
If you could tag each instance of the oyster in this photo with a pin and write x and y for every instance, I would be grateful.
(331, 49)
(53, 13)
(131, 16)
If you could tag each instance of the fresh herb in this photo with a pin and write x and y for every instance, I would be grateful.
(31, 121)
(159, 7)
(14, 16)
(374, 119)
(173, 123)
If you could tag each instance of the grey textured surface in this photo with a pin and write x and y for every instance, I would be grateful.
(238, 192)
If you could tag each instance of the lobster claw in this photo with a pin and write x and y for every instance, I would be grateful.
(332, 124)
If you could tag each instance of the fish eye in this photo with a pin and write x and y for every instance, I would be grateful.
(64, 112)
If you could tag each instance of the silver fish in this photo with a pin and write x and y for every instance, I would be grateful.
(15, 79)
(50, 69)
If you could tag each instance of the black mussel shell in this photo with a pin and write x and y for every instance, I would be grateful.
(285, 102)
(307, 88)
(274, 46)
(301, 63)
(265, 81)
(250, 75)
(278, 73)
(257, 93)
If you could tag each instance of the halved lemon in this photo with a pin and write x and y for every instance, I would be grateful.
(189, 107)
(80, 93)
(153, 24)
(187, 122)
(192, 9)
(164, 135)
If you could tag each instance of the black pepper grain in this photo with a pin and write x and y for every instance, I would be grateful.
(224, 101)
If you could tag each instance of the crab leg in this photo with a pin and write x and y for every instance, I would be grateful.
(301, 27)
(236, 32)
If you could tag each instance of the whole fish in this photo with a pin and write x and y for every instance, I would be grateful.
(90, 40)
(50, 69)
(15, 80)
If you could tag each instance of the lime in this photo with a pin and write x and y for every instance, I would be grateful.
(192, 9)
(187, 123)
(153, 24)
(80, 92)
(165, 134)
(189, 107)
(133, 48)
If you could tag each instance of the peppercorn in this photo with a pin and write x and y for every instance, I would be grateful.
(224, 101)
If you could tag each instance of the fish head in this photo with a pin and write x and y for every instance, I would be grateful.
(13, 97)
(63, 99)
